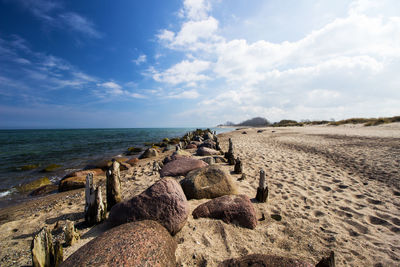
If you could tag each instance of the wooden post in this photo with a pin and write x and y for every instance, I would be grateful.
(70, 234)
(229, 155)
(230, 151)
(113, 185)
(238, 166)
(95, 211)
(44, 254)
(262, 190)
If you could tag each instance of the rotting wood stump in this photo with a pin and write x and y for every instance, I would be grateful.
(262, 190)
(95, 210)
(113, 185)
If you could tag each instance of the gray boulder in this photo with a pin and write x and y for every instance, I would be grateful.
(208, 182)
(164, 202)
(149, 153)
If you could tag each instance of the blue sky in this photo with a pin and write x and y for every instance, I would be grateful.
(83, 64)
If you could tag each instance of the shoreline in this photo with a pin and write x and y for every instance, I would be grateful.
(317, 179)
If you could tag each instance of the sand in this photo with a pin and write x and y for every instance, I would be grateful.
(335, 188)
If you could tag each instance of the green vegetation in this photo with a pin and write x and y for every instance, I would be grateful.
(51, 167)
(367, 122)
(254, 122)
(29, 167)
(33, 185)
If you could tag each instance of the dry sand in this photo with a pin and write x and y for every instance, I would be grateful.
(336, 188)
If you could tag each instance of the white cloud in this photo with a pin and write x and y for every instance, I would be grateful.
(112, 88)
(54, 14)
(141, 59)
(190, 94)
(344, 65)
(188, 72)
(80, 24)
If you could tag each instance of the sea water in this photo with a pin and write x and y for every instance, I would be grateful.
(72, 149)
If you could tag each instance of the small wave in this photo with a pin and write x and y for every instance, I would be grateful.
(5, 193)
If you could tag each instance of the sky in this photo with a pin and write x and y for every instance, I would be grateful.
(108, 64)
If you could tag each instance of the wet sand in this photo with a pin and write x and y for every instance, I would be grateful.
(335, 188)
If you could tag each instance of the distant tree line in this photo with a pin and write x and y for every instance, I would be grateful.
(254, 122)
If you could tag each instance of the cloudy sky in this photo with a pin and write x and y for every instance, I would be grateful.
(83, 64)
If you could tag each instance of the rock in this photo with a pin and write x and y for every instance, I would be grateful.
(133, 150)
(182, 153)
(208, 136)
(260, 131)
(144, 243)
(264, 260)
(33, 185)
(44, 190)
(244, 132)
(71, 183)
(51, 168)
(208, 182)
(166, 140)
(70, 234)
(44, 253)
(328, 261)
(120, 159)
(169, 148)
(164, 202)
(209, 160)
(220, 160)
(197, 143)
(191, 146)
(208, 143)
(171, 158)
(243, 177)
(231, 209)
(181, 166)
(198, 138)
(149, 153)
(95, 172)
(28, 167)
(205, 151)
(133, 161)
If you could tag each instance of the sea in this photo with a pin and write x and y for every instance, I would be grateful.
(72, 149)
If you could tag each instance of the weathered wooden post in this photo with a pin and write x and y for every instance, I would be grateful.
(262, 190)
(95, 210)
(156, 167)
(229, 155)
(70, 234)
(44, 253)
(113, 185)
(238, 166)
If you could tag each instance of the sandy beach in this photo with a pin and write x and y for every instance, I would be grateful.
(335, 188)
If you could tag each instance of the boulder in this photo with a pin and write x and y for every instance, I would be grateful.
(181, 166)
(208, 160)
(44, 190)
(164, 202)
(133, 150)
(95, 172)
(208, 182)
(144, 243)
(33, 185)
(220, 160)
(182, 153)
(208, 143)
(231, 209)
(208, 136)
(133, 161)
(51, 168)
(149, 153)
(205, 151)
(197, 143)
(264, 260)
(169, 148)
(71, 183)
(172, 158)
(191, 146)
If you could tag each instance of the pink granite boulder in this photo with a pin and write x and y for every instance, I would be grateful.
(144, 243)
(190, 146)
(205, 151)
(164, 202)
(236, 209)
(181, 166)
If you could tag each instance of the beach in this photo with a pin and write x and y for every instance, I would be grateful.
(333, 187)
